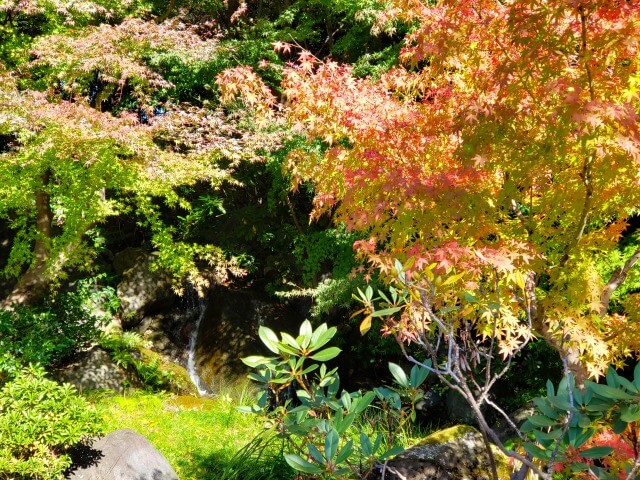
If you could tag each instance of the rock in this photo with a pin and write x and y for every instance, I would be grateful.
(432, 399)
(95, 370)
(127, 258)
(459, 411)
(229, 331)
(169, 331)
(143, 290)
(181, 382)
(456, 453)
(121, 455)
(502, 428)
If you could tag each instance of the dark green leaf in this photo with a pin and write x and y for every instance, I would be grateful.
(618, 426)
(364, 402)
(298, 463)
(365, 445)
(606, 391)
(391, 452)
(612, 378)
(345, 452)
(385, 312)
(546, 409)
(541, 421)
(331, 444)
(596, 452)
(418, 375)
(537, 452)
(315, 453)
(630, 413)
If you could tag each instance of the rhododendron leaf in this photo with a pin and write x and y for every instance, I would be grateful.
(596, 452)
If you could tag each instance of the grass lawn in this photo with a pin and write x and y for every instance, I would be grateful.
(198, 436)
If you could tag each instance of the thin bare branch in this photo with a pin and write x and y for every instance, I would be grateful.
(617, 278)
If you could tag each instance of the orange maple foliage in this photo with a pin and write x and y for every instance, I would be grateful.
(505, 147)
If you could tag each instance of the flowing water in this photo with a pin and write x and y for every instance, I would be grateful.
(191, 358)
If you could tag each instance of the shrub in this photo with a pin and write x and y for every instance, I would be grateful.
(47, 334)
(39, 421)
(322, 427)
(131, 352)
(589, 432)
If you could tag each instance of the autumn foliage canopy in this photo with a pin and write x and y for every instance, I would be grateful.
(500, 163)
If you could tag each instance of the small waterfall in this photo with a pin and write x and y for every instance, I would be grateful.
(191, 359)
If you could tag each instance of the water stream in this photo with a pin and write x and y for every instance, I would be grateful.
(191, 358)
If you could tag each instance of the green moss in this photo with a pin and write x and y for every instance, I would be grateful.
(448, 434)
(175, 376)
(452, 433)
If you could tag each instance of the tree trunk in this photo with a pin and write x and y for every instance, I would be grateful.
(33, 284)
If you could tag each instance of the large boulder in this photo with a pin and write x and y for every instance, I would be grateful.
(169, 331)
(229, 331)
(456, 453)
(95, 370)
(121, 455)
(143, 290)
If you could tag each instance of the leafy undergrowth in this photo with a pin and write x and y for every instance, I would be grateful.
(198, 436)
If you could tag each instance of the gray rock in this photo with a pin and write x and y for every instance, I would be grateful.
(454, 453)
(169, 331)
(143, 290)
(95, 370)
(121, 455)
(459, 411)
(432, 401)
(502, 427)
(127, 258)
(229, 331)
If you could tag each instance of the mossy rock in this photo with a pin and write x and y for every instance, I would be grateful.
(177, 378)
(456, 453)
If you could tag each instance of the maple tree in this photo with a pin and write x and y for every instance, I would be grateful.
(66, 166)
(499, 164)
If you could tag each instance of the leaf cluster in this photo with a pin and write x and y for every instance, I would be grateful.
(48, 334)
(569, 419)
(39, 421)
(318, 421)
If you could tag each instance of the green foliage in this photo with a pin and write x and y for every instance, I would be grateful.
(321, 432)
(331, 245)
(131, 352)
(21, 22)
(569, 418)
(48, 334)
(376, 63)
(39, 421)
(340, 28)
(614, 260)
(260, 459)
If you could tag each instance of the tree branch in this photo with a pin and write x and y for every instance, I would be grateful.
(521, 217)
(617, 278)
